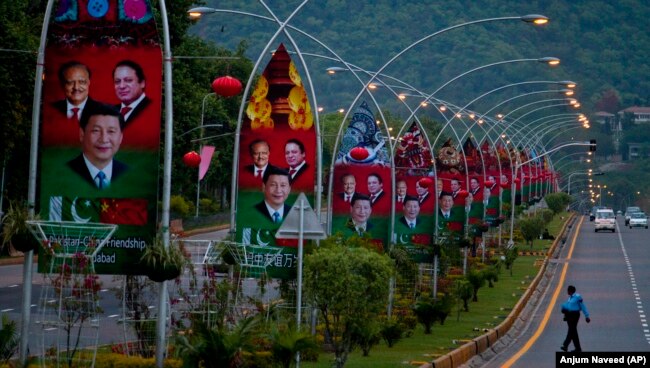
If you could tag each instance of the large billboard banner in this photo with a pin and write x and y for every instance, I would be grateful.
(100, 128)
(362, 187)
(415, 195)
(277, 161)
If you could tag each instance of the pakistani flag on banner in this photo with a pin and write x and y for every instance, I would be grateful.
(119, 211)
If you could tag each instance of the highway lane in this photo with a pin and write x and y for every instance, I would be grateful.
(612, 272)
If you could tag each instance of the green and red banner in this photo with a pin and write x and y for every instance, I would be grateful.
(362, 187)
(277, 161)
(415, 195)
(100, 128)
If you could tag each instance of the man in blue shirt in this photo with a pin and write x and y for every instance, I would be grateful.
(571, 309)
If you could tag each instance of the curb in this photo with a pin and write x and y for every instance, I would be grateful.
(464, 353)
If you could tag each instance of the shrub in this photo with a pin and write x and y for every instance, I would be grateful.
(179, 205)
(392, 331)
(8, 339)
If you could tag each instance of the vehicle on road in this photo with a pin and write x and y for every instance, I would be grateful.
(605, 220)
(628, 213)
(592, 215)
(638, 219)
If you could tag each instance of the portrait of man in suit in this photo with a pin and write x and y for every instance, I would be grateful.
(259, 150)
(475, 188)
(294, 154)
(129, 82)
(276, 189)
(411, 211)
(349, 183)
(422, 192)
(455, 188)
(360, 211)
(375, 187)
(400, 191)
(100, 134)
(74, 78)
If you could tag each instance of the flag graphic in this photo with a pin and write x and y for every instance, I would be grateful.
(118, 211)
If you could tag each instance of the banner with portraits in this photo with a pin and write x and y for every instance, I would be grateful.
(277, 161)
(453, 199)
(415, 195)
(100, 125)
(362, 184)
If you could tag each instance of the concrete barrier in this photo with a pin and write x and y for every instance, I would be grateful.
(467, 351)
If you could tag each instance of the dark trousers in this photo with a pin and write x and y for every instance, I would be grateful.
(572, 334)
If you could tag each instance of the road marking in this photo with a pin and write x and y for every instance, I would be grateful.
(637, 297)
(551, 305)
(6, 310)
(13, 286)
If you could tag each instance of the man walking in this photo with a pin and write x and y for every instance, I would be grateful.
(571, 309)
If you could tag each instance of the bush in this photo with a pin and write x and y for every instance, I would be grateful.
(180, 205)
(557, 202)
(392, 332)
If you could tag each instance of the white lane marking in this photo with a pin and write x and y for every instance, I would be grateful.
(639, 302)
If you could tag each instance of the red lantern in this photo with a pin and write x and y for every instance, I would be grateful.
(489, 183)
(425, 182)
(192, 159)
(226, 86)
(517, 180)
(359, 153)
(463, 193)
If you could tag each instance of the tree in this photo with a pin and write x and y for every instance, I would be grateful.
(348, 286)
(557, 202)
(531, 228)
(476, 278)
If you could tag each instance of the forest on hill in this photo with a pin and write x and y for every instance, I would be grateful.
(603, 45)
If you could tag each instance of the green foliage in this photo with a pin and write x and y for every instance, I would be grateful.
(425, 310)
(392, 331)
(557, 202)
(510, 257)
(463, 291)
(491, 275)
(179, 205)
(531, 228)
(8, 339)
(366, 334)
(546, 215)
(218, 346)
(162, 263)
(476, 278)
(348, 286)
(15, 230)
(286, 341)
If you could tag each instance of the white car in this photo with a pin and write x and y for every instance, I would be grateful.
(605, 220)
(638, 219)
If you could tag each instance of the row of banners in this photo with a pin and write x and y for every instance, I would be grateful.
(99, 152)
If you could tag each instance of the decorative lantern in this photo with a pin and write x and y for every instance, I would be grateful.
(425, 182)
(488, 183)
(463, 193)
(192, 159)
(359, 153)
(226, 86)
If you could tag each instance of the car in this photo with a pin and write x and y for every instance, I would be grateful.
(638, 219)
(605, 220)
(619, 213)
(592, 215)
(629, 211)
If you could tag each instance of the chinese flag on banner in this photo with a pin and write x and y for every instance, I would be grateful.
(123, 211)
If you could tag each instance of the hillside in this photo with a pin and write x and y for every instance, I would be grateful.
(603, 45)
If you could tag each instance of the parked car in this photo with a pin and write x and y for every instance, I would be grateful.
(638, 219)
(605, 220)
(629, 211)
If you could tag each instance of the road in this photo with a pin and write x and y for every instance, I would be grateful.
(612, 272)
(11, 294)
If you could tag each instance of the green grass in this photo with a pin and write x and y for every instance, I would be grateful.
(493, 305)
